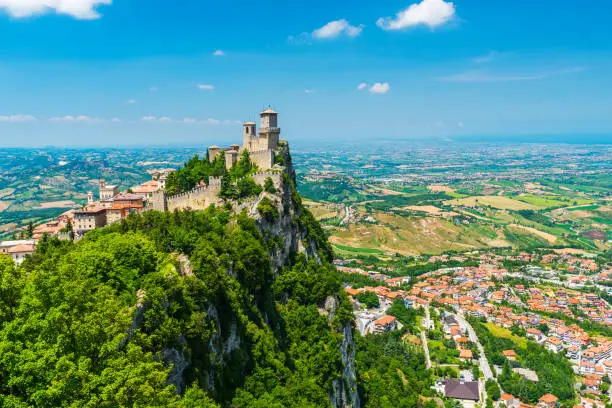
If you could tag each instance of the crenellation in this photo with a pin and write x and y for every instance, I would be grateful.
(260, 144)
(261, 147)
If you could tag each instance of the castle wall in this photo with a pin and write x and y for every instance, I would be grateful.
(203, 197)
(255, 144)
(264, 159)
(199, 198)
(260, 178)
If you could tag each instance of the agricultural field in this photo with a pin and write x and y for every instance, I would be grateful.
(446, 201)
(39, 184)
(498, 202)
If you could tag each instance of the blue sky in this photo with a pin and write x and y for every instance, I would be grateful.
(133, 72)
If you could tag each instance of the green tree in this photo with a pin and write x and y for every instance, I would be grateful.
(269, 186)
(493, 390)
(369, 299)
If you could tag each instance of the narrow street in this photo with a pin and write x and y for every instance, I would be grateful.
(484, 363)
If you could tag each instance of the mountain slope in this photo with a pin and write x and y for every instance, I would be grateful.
(229, 306)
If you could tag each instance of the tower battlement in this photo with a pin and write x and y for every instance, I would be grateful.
(260, 144)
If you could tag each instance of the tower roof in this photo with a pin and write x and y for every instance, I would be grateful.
(214, 147)
(249, 123)
(269, 112)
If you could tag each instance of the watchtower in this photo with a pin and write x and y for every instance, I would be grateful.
(269, 129)
(249, 130)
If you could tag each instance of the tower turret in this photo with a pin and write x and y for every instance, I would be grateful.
(249, 131)
(269, 127)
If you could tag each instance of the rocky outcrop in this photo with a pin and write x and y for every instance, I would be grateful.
(287, 234)
(345, 392)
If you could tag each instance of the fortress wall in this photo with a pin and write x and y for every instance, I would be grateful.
(257, 144)
(264, 159)
(203, 197)
(198, 199)
(260, 178)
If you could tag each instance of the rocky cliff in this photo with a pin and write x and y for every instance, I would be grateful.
(290, 230)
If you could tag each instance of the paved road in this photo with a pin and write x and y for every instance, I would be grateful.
(484, 363)
(426, 348)
(424, 337)
(347, 215)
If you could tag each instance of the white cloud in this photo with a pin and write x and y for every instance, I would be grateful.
(193, 121)
(301, 39)
(203, 121)
(309, 91)
(76, 119)
(131, 101)
(337, 28)
(206, 87)
(432, 13)
(153, 89)
(219, 53)
(492, 55)
(80, 9)
(487, 77)
(362, 86)
(460, 124)
(17, 118)
(484, 77)
(380, 88)
(116, 120)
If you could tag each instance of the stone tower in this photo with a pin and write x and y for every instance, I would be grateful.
(249, 130)
(269, 129)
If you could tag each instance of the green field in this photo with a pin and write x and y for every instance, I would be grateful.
(503, 333)
(584, 208)
(600, 220)
(368, 251)
(551, 201)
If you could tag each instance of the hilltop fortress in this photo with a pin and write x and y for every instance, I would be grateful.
(262, 146)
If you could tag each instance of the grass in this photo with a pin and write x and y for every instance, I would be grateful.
(584, 208)
(549, 201)
(369, 251)
(524, 240)
(499, 202)
(4, 205)
(504, 333)
(6, 192)
(600, 220)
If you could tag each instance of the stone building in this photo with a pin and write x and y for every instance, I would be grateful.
(19, 252)
(88, 219)
(107, 190)
(260, 144)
